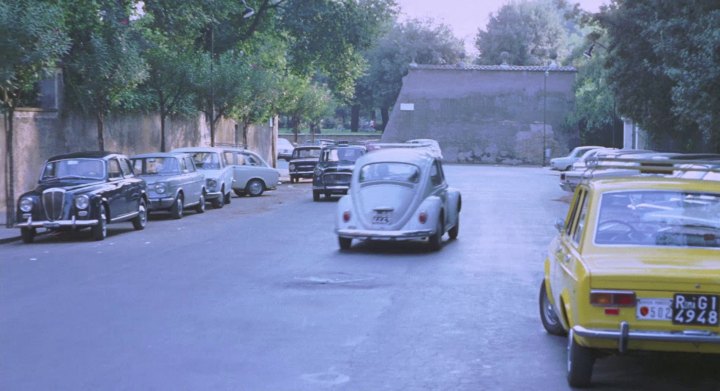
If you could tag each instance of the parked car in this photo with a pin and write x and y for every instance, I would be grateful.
(173, 182)
(430, 144)
(572, 177)
(303, 162)
(376, 146)
(634, 268)
(284, 149)
(211, 162)
(334, 169)
(251, 173)
(398, 194)
(83, 190)
(564, 163)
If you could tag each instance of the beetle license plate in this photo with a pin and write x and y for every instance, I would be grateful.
(381, 217)
(699, 310)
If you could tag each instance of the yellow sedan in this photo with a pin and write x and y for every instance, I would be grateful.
(635, 267)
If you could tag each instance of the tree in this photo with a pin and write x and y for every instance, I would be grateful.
(530, 32)
(32, 39)
(423, 42)
(104, 63)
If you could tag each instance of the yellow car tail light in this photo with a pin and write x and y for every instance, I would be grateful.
(612, 298)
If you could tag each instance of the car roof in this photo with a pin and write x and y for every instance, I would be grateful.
(86, 155)
(198, 149)
(159, 154)
(417, 156)
(652, 183)
(308, 147)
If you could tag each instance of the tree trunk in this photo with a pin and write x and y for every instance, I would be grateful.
(355, 118)
(9, 169)
(163, 115)
(385, 114)
(295, 127)
(100, 130)
(212, 131)
(246, 125)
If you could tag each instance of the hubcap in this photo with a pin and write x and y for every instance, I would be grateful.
(255, 188)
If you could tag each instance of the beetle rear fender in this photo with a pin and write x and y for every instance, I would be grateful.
(433, 207)
(344, 205)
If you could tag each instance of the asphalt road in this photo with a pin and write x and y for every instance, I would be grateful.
(256, 296)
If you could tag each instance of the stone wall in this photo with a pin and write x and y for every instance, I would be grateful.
(40, 134)
(486, 114)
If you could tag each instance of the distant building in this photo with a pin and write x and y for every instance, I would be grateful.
(486, 114)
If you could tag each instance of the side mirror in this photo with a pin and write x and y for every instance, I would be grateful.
(559, 223)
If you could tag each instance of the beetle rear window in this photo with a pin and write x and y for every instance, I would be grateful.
(659, 218)
(399, 172)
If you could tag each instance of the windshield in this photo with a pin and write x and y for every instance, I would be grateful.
(303, 153)
(74, 168)
(156, 166)
(206, 160)
(341, 154)
(659, 218)
(399, 172)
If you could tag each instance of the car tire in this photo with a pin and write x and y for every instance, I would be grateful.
(580, 361)
(254, 188)
(140, 220)
(219, 202)
(178, 207)
(228, 198)
(455, 230)
(99, 230)
(200, 207)
(316, 195)
(293, 179)
(548, 316)
(239, 193)
(435, 240)
(27, 234)
(345, 243)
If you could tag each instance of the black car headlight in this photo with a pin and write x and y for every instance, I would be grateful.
(291, 167)
(82, 202)
(211, 183)
(26, 204)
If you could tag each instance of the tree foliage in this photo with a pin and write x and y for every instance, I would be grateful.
(664, 67)
(523, 33)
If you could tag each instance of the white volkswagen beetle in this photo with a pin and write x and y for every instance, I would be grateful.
(398, 194)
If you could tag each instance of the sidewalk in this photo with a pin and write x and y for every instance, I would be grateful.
(7, 235)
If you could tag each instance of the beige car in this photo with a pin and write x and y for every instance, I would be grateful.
(251, 173)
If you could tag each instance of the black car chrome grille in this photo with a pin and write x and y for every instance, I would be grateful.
(335, 179)
(53, 201)
(305, 167)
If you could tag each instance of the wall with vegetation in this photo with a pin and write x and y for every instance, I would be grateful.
(41, 134)
(485, 114)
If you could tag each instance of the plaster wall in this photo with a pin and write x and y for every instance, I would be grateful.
(485, 114)
(40, 134)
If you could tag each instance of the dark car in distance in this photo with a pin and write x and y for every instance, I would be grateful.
(303, 162)
(83, 190)
(334, 170)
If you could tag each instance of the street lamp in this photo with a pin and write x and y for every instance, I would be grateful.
(545, 77)
(247, 12)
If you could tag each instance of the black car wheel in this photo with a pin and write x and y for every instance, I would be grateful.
(27, 234)
(316, 195)
(178, 208)
(435, 240)
(255, 188)
(141, 219)
(99, 230)
(455, 230)
(580, 362)
(548, 316)
(200, 207)
(344, 243)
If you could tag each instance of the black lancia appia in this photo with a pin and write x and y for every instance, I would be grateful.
(83, 190)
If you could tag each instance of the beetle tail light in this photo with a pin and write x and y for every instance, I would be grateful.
(422, 217)
(346, 216)
(612, 298)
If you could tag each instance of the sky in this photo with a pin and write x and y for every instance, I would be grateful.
(465, 17)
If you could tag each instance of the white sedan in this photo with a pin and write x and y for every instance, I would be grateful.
(251, 173)
(398, 194)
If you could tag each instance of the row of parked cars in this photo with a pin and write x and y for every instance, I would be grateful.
(636, 262)
(92, 189)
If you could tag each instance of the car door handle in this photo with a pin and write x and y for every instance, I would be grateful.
(566, 258)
